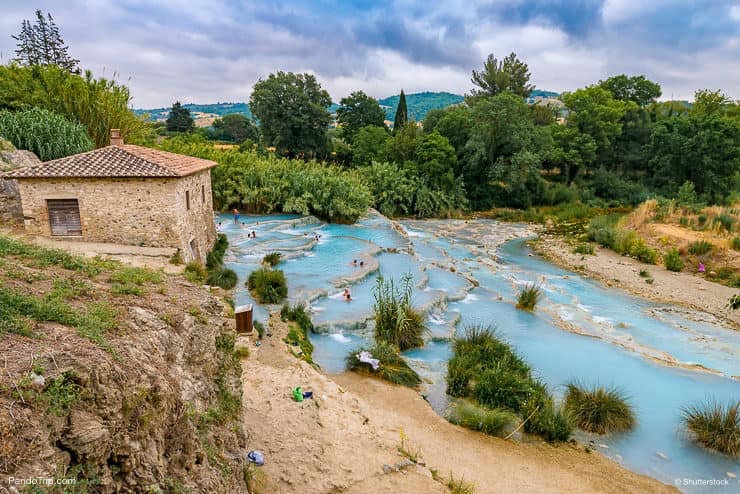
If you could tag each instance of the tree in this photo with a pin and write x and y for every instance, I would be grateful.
(359, 110)
(370, 145)
(402, 147)
(435, 162)
(504, 153)
(235, 127)
(637, 89)
(454, 123)
(291, 110)
(510, 74)
(42, 44)
(572, 150)
(179, 119)
(402, 115)
(702, 149)
(594, 111)
(707, 102)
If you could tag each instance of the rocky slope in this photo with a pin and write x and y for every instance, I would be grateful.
(10, 202)
(123, 379)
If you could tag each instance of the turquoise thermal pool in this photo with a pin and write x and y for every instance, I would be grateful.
(665, 357)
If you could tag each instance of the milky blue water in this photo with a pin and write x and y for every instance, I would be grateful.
(580, 330)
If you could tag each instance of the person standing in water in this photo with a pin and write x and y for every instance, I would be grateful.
(236, 216)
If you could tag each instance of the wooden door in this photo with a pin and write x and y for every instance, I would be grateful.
(64, 217)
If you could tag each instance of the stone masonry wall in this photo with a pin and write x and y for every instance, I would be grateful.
(196, 223)
(121, 211)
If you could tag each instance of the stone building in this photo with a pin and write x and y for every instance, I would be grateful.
(121, 194)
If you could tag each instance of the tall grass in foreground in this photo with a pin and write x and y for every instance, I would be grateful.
(528, 297)
(599, 409)
(392, 368)
(715, 425)
(396, 321)
(493, 421)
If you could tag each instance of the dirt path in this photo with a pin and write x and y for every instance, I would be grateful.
(623, 272)
(339, 440)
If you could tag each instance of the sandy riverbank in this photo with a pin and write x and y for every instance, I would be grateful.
(339, 440)
(614, 270)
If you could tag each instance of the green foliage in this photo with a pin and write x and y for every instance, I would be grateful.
(419, 104)
(734, 302)
(637, 89)
(584, 248)
(700, 247)
(686, 197)
(268, 285)
(508, 75)
(672, 260)
(44, 257)
(489, 421)
(47, 134)
(528, 297)
(459, 486)
(195, 272)
(98, 104)
(599, 409)
(215, 257)
(235, 127)
(266, 184)
(356, 111)
(392, 367)
(222, 277)
(735, 243)
(179, 119)
(273, 258)
(486, 368)
(291, 110)
(396, 321)
(604, 231)
(402, 115)
(369, 145)
(299, 329)
(725, 221)
(642, 252)
(715, 425)
(61, 393)
(609, 185)
(136, 276)
(260, 328)
(573, 151)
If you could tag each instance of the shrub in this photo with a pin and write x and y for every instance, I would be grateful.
(603, 230)
(644, 273)
(584, 248)
(672, 260)
(392, 366)
(298, 314)
(46, 133)
(609, 185)
(215, 257)
(493, 421)
(551, 422)
(260, 328)
(701, 220)
(298, 330)
(735, 244)
(599, 409)
(686, 197)
(724, 221)
(715, 425)
(528, 297)
(396, 322)
(273, 258)
(502, 387)
(642, 252)
(268, 285)
(700, 247)
(195, 272)
(734, 302)
(222, 277)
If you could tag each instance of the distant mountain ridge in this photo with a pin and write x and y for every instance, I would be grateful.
(418, 105)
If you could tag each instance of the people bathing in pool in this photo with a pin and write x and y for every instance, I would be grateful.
(354, 262)
(347, 296)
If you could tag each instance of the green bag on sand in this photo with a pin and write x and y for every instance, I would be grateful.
(298, 394)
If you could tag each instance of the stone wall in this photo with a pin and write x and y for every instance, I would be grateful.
(122, 211)
(195, 224)
(10, 199)
(148, 211)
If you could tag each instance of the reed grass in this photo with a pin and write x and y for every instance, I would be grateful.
(396, 321)
(715, 425)
(528, 297)
(47, 134)
(599, 409)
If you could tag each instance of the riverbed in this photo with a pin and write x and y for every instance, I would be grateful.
(465, 272)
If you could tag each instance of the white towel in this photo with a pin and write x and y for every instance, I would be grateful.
(368, 359)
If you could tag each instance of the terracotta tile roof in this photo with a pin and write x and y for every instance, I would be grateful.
(116, 162)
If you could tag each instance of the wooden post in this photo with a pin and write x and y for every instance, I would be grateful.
(243, 315)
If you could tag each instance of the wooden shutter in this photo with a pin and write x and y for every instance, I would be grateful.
(64, 217)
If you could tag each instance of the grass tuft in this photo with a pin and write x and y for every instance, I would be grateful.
(268, 285)
(715, 425)
(599, 409)
(396, 321)
(528, 297)
(700, 247)
(222, 277)
(584, 248)
(492, 421)
(272, 259)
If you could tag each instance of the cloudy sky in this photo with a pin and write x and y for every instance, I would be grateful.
(208, 51)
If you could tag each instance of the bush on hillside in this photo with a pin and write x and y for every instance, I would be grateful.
(267, 285)
(672, 260)
(222, 277)
(392, 367)
(45, 133)
(700, 247)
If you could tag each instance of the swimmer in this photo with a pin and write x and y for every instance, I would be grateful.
(354, 262)
(362, 263)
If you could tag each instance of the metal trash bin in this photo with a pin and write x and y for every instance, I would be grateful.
(244, 322)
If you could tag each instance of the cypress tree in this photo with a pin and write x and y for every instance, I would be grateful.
(402, 115)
